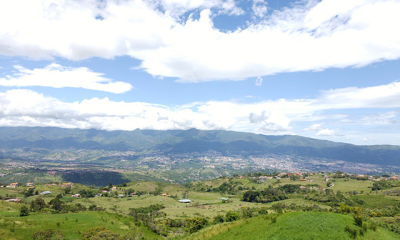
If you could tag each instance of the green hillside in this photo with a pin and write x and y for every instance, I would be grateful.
(188, 141)
(293, 226)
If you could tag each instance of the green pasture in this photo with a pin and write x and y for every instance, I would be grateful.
(291, 226)
(72, 225)
(378, 201)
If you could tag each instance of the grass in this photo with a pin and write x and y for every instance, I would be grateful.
(207, 204)
(377, 201)
(72, 225)
(295, 225)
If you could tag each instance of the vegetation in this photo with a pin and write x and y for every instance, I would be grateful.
(235, 207)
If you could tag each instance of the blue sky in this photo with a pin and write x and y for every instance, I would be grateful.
(323, 69)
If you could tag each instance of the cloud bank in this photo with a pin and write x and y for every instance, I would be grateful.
(309, 36)
(57, 76)
(20, 107)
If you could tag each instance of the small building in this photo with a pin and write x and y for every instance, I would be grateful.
(184, 201)
(13, 185)
(164, 195)
(51, 184)
(45, 193)
(76, 195)
(14, 200)
(68, 184)
(29, 184)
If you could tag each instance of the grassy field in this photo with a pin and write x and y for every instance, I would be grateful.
(207, 203)
(295, 225)
(378, 201)
(72, 225)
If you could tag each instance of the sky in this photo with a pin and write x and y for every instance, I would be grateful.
(326, 69)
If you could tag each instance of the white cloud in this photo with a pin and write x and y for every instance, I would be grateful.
(314, 127)
(382, 96)
(179, 7)
(326, 132)
(28, 108)
(259, 81)
(259, 8)
(380, 119)
(366, 139)
(310, 36)
(270, 121)
(57, 76)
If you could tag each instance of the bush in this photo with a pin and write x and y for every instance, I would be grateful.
(232, 216)
(92, 232)
(218, 219)
(24, 211)
(247, 212)
(372, 226)
(37, 205)
(263, 211)
(47, 235)
(353, 232)
(29, 192)
(105, 235)
(358, 220)
(195, 224)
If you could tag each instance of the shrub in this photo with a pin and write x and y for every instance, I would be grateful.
(247, 212)
(47, 235)
(353, 232)
(92, 232)
(232, 216)
(358, 220)
(105, 235)
(218, 219)
(195, 224)
(37, 205)
(372, 226)
(263, 211)
(24, 211)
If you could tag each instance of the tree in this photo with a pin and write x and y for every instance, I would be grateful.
(158, 190)
(185, 194)
(37, 205)
(56, 204)
(250, 196)
(67, 190)
(24, 211)
(29, 192)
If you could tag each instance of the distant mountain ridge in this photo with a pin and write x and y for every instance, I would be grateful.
(193, 140)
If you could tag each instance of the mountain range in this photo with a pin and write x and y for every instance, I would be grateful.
(193, 140)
